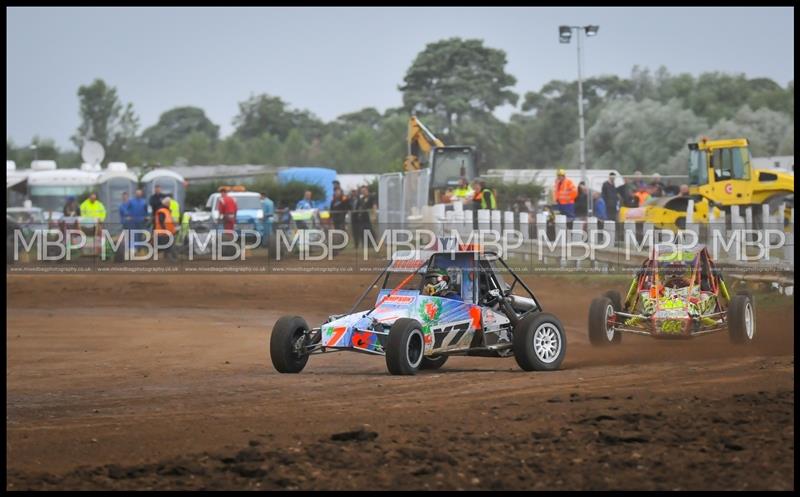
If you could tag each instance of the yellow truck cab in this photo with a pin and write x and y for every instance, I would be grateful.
(722, 172)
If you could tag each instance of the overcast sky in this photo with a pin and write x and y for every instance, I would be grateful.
(337, 60)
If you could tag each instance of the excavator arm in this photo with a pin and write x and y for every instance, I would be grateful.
(420, 143)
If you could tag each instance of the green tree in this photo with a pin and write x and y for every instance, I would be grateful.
(295, 149)
(630, 136)
(764, 128)
(176, 124)
(106, 120)
(539, 136)
(458, 79)
(267, 114)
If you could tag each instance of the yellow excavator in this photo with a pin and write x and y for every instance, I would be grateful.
(448, 163)
(721, 175)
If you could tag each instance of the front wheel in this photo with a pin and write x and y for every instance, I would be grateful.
(602, 318)
(539, 342)
(741, 319)
(405, 347)
(287, 344)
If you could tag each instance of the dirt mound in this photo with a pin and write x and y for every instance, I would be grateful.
(673, 444)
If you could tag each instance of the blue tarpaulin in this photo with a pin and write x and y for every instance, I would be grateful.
(322, 176)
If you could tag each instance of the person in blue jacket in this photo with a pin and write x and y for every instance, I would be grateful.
(305, 202)
(600, 207)
(137, 211)
(268, 207)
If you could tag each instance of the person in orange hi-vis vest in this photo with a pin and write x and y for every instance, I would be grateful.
(564, 193)
(164, 229)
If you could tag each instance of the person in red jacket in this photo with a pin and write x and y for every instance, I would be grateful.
(227, 210)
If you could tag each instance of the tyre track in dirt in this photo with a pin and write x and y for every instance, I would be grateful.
(169, 379)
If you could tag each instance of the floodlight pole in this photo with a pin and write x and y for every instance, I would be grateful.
(564, 33)
(581, 130)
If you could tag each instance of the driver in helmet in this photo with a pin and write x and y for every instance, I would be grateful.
(676, 275)
(437, 283)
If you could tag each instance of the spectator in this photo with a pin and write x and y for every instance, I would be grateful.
(641, 197)
(352, 197)
(627, 199)
(339, 207)
(125, 217)
(564, 194)
(462, 192)
(483, 198)
(91, 207)
(305, 202)
(361, 215)
(268, 208)
(174, 208)
(581, 201)
(684, 191)
(448, 196)
(137, 210)
(610, 197)
(656, 187)
(638, 181)
(600, 206)
(227, 210)
(71, 208)
(155, 199)
(164, 229)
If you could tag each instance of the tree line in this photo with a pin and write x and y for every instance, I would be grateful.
(641, 122)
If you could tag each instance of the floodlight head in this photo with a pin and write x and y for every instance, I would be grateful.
(564, 34)
(591, 30)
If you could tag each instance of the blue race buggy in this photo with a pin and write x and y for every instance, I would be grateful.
(417, 327)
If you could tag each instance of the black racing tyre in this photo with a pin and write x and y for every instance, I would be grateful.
(433, 362)
(405, 347)
(681, 222)
(741, 319)
(282, 344)
(615, 298)
(600, 311)
(539, 342)
(747, 294)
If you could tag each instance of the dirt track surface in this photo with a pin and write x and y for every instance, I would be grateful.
(131, 381)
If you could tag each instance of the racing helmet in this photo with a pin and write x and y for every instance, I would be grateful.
(437, 282)
(676, 271)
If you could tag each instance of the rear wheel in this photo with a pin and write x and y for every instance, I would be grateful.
(433, 362)
(741, 319)
(287, 344)
(602, 318)
(405, 347)
(539, 342)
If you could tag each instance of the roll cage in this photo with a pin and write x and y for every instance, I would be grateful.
(704, 274)
(478, 266)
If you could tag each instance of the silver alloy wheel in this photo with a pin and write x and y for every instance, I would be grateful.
(609, 331)
(749, 326)
(547, 342)
(414, 348)
(298, 345)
